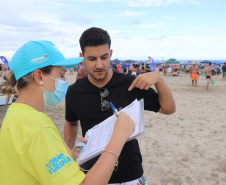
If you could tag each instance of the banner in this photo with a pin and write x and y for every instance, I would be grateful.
(5, 61)
(152, 63)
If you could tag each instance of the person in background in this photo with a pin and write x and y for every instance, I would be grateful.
(128, 68)
(142, 69)
(224, 72)
(193, 74)
(114, 67)
(208, 76)
(32, 150)
(124, 68)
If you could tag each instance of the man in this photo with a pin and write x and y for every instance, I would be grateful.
(133, 69)
(88, 100)
(208, 76)
(124, 67)
(193, 73)
(224, 71)
(114, 66)
(128, 67)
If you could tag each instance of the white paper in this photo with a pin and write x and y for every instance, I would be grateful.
(99, 136)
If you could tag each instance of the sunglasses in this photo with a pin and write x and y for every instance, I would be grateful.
(105, 105)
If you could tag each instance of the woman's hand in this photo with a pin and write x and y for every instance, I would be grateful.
(75, 151)
(124, 126)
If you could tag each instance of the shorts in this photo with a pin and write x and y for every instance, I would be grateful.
(124, 70)
(139, 181)
(224, 74)
(194, 76)
(207, 77)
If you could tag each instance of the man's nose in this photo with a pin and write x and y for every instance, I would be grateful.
(99, 63)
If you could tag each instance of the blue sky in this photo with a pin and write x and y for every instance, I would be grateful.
(181, 29)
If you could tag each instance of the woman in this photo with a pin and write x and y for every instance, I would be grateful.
(31, 148)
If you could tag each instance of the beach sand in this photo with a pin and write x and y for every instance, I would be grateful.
(186, 148)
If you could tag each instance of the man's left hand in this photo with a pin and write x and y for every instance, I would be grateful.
(145, 81)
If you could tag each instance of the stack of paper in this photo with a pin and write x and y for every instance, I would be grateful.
(99, 136)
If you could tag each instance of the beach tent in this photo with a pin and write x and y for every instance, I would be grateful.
(205, 62)
(187, 63)
(172, 61)
(132, 61)
(157, 63)
(218, 63)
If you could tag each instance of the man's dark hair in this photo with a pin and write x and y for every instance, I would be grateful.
(94, 37)
(225, 63)
(210, 63)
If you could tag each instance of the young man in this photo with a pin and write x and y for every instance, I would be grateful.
(224, 71)
(208, 76)
(193, 73)
(114, 66)
(88, 100)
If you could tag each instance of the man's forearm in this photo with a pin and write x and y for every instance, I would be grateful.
(165, 97)
(70, 134)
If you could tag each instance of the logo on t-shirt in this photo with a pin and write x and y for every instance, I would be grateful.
(61, 161)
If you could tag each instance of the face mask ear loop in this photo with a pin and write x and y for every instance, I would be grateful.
(51, 77)
(42, 88)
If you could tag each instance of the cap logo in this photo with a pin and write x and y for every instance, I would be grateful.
(39, 60)
(56, 48)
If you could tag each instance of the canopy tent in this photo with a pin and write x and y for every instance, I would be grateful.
(172, 61)
(218, 63)
(157, 63)
(205, 62)
(132, 61)
(187, 63)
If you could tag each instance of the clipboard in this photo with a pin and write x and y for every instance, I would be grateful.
(99, 136)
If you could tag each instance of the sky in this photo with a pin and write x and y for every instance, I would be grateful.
(162, 29)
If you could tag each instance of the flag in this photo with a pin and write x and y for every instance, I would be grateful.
(5, 61)
(152, 63)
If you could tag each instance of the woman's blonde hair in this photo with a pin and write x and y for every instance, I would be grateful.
(11, 86)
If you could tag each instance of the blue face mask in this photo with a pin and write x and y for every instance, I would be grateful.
(53, 98)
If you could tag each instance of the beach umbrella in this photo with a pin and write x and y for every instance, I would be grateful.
(172, 61)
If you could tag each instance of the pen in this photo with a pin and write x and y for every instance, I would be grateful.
(114, 109)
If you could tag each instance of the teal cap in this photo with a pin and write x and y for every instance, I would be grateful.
(38, 54)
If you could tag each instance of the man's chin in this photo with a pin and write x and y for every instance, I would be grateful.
(98, 78)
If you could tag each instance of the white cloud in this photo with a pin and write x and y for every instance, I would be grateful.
(152, 25)
(148, 3)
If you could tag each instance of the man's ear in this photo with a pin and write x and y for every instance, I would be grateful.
(111, 52)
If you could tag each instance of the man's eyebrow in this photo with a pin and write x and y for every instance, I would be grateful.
(104, 55)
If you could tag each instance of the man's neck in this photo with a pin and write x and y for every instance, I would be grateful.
(101, 83)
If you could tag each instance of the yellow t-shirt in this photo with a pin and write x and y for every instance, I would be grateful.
(32, 151)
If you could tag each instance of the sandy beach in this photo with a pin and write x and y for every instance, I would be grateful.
(186, 148)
